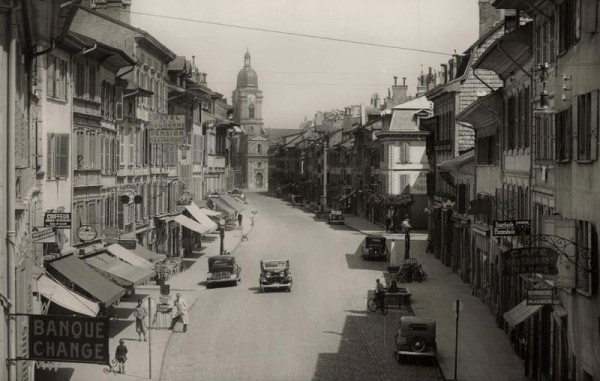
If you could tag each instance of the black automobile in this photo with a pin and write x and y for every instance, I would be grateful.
(415, 337)
(223, 269)
(275, 273)
(238, 193)
(335, 217)
(375, 248)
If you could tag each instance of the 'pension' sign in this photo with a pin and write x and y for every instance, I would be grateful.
(69, 339)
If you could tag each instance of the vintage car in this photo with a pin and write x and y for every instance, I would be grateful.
(335, 217)
(223, 269)
(238, 193)
(375, 248)
(415, 337)
(275, 273)
(296, 199)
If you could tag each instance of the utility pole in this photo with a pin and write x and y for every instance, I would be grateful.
(324, 196)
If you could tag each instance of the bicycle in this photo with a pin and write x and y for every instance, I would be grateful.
(374, 304)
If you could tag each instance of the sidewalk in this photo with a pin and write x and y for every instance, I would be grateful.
(186, 282)
(484, 351)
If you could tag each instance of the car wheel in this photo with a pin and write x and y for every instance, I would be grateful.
(289, 289)
(372, 305)
(262, 289)
(398, 356)
(418, 345)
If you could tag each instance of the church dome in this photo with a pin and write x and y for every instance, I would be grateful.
(247, 76)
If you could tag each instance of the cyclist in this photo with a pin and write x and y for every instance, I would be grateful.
(380, 295)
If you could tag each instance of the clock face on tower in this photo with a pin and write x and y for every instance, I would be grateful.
(251, 98)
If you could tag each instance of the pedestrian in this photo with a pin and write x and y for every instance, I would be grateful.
(140, 314)
(240, 218)
(388, 224)
(121, 356)
(182, 313)
(379, 294)
(406, 226)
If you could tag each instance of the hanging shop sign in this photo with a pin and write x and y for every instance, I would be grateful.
(69, 339)
(58, 220)
(212, 175)
(541, 297)
(41, 234)
(538, 260)
(509, 228)
(87, 233)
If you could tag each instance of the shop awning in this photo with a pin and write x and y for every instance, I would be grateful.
(222, 205)
(235, 205)
(61, 295)
(202, 218)
(129, 257)
(148, 255)
(520, 313)
(118, 271)
(190, 224)
(210, 212)
(86, 278)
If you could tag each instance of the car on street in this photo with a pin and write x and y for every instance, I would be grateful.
(296, 199)
(238, 193)
(375, 248)
(335, 217)
(415, 337)
(223, 269)
(275, 273)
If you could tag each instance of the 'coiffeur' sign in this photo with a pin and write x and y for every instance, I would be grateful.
(538, 260)
(68, 339)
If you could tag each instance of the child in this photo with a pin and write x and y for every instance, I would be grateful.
(121, 355)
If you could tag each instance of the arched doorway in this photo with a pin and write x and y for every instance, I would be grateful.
(259, 180)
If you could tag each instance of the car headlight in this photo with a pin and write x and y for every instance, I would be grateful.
(209, 275)
(268, 275)
(282, 273)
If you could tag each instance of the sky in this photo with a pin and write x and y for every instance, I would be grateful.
(298, 75)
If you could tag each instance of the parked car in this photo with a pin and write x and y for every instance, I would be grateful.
(335, 217)
(415, 337)
(223, 269)
(375, 248)
(297, 200)
(275, 273)
(238, 193)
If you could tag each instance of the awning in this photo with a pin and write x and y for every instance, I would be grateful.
(235, 205)
(129, 257)
(202, 218)
(222, 205)
(86, 278)
(520, 313)
(190, 224)
(148, 255)
(118, 271)
(210, 213)
(59, 294)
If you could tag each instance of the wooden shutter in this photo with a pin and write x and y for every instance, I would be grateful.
(593, 108)
(462, 198)
(578, 19)
(62, 155)
(50, 71)
(527, 118)
(50, 164)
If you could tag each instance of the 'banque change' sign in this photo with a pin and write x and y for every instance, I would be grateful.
(69, 339)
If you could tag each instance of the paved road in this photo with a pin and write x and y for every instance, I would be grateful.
(319, 331)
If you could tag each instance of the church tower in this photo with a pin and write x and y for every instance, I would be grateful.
(251, 157)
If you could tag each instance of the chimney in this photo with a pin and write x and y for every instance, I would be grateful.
(421, 85)
(444, 72)
(488, 16)
(117, 9)
(399, 92)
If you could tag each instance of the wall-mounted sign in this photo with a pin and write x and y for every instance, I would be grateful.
(212, 175)
(511, 228)
(167, 121)
(58, 220)
(69, 339)
(167, 136)
(87, 233)
(535, 260)
(541, 297)
(41, 234)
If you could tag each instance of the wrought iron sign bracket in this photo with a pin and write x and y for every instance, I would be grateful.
(582, 257)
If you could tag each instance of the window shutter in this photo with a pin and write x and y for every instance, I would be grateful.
(57, 78)
(50, 77)
(594, 126)
(62, 155)
(50, 165)
(568, 121)
(577, 19)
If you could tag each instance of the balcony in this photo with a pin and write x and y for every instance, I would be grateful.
(90, 178)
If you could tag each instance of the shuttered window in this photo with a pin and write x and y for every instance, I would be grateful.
(58, 156)
(404, 184)
(587, 126)
(564, 138)
(404, 150)
(544, 138)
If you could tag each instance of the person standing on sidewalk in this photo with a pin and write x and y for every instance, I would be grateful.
(121, 356)
(240, 218)
(182, 313)
(388, 224)
(140, 314)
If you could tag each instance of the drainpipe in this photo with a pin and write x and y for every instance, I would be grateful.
(10, 197)
(85, 51)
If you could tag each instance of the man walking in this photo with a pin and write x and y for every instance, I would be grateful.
(388, 224)
(182, 313)
(240, 218)
(140, 314)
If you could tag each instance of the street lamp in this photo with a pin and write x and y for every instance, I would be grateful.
(222, 235)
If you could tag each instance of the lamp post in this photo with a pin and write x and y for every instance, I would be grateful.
(406, 227)
(222, 235)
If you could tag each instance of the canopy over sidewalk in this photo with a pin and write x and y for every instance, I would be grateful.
(61, 295)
